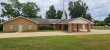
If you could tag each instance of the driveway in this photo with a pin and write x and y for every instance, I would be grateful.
(56, 33)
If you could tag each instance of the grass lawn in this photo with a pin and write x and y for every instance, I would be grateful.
(87, 42)
(101, 28)
(6, 32)
(33, 31)
(41, 31)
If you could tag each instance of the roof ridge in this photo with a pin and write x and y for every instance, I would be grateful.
(59, 21)
(19, 17)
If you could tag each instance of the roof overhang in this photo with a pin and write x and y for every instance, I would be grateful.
(80, 20)
(19, 17)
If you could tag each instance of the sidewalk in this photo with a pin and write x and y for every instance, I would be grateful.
(57, 33)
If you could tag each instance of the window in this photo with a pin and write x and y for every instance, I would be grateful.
(11, 27)
(30, 26)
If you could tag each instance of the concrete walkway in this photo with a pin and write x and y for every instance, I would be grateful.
(56, 33)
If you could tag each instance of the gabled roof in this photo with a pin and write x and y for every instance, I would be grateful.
(79, 20)
(17, 18)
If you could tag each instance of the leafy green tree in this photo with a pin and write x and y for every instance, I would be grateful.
(77, 9)
(59, 14)
(98, 23)
(66, 14)
(51, 13)
(88, 16)
(30, 10)
(107, 20)
(40, 17)
(15, 9)
(11, 10)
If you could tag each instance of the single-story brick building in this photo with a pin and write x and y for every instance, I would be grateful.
(24, 24)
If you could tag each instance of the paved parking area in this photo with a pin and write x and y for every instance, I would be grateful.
(56, 33)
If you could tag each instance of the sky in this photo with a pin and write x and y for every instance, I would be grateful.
(97, 8)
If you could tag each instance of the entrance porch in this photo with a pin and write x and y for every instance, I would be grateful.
(72, 27)
(78, 27)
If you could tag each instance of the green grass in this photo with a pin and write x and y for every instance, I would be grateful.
(101, 28)
(32, 31)
(41, 31)
(6, 32)
(87, 42)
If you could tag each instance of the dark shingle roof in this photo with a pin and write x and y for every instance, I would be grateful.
(51, 21)
(55, 21)
(64, 21)
(44, 21)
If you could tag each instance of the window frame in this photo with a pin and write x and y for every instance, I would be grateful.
(11, 27)
(30, 26)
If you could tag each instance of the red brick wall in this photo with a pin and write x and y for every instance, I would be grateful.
(81, 26)
(17, 22)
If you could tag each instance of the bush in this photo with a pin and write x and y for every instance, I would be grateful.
(45, 27)
(1, 27)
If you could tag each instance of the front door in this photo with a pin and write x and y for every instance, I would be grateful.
(20, 29)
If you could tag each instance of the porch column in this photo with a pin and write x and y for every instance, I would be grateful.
(62, 26)
(78, 27)
(70, 28)
(88, 27)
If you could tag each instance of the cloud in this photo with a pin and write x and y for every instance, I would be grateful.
(98, 8)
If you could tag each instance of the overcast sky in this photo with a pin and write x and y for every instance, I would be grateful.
(96, 7)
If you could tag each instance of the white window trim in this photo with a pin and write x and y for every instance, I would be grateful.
(30, 26)
(11, 27)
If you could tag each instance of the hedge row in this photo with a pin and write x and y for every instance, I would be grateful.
(45, 27)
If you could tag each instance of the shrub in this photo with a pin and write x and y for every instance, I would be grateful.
(45, 27)
(1, 27)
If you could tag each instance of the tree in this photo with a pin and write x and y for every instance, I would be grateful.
(59, 14)
(11, 10)
(15, 9)
(30, 9)
(77, 9)
(66, 15)
(88, 16)
(107, 20)
(51, 13)
(40, 17)
(98, 23)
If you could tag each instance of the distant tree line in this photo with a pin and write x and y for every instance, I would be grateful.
(106, 21)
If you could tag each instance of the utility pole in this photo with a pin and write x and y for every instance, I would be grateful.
(99, 18)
